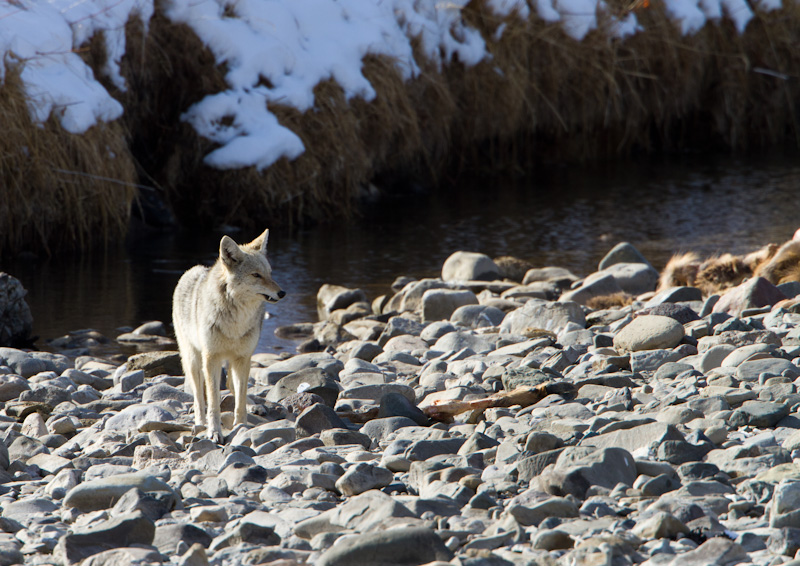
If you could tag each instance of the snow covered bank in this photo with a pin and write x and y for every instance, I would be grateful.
(241, 110)
(277, 51)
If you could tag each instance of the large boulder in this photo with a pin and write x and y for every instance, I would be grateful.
(440, 304)
(537, 314)
(633, 278)
(16, 321)
(623, 252)
(469, 266)
(753, 293)
(396, 547)
(649, 332)
(578, 468)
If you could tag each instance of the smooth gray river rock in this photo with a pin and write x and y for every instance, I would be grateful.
(681, 453)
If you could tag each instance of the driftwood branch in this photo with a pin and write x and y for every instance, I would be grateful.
(525, 396)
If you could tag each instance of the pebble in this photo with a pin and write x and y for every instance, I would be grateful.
(671, 435)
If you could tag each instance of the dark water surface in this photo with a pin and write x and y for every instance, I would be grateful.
(564, 216)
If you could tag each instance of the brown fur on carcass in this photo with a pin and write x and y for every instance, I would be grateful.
(784, 266)
(778, 264)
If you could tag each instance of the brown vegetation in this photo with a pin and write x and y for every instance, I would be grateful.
(59, 190)
(542, 95)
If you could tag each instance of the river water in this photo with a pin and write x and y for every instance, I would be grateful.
(565, 216)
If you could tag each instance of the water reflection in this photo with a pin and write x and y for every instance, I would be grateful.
(565, 216)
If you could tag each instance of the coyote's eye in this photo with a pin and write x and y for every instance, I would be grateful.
(257, 275)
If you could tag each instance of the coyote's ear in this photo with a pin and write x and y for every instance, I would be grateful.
(260, 243)
(229, 252)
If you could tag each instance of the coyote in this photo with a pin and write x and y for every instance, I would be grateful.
(217, 313)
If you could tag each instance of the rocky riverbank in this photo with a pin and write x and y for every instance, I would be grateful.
(469, 419)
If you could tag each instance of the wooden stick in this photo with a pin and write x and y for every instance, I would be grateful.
(445, 410)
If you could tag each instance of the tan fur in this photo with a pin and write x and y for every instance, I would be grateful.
(784, 266)
(217, 313)
(758, 257)
(715, 274)
(720, 273)
(680, 271)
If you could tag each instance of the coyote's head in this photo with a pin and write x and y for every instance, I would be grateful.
(248, 273)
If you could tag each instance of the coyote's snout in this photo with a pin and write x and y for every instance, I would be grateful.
(217, 313)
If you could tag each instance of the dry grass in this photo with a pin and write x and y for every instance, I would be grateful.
(57, 190)
(615, 300)
(542, 96)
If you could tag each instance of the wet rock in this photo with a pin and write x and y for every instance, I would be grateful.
(16, 321)
(151, 507)
(649, 332)
(469, 266)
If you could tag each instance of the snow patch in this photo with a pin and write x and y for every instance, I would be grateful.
(40, 38)
(276, 51)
